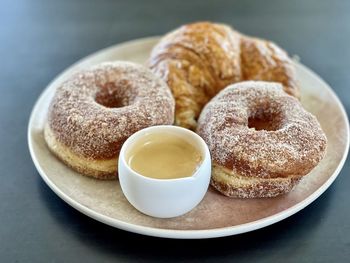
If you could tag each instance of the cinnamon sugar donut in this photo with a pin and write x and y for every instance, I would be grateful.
(261, 140)
(200, 59)
(96, 110)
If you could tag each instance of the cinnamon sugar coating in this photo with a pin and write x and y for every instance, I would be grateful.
(200, 59)
(96, 110)
(291, 144)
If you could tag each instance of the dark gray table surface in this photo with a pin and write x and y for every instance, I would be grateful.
(39, 39)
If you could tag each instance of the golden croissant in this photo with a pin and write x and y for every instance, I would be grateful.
(198, 60)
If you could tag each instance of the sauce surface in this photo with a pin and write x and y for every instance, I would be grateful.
(164, 156)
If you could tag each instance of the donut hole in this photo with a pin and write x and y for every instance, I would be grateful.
(112, 96)
(264, 122)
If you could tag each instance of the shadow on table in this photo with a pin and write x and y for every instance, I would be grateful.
(289, 235)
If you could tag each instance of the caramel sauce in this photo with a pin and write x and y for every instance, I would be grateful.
(164, 156)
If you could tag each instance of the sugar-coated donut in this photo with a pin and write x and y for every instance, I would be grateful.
(200, 59)
(96, 110)
(261, 140)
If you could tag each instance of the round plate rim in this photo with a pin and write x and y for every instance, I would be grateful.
(172, 233)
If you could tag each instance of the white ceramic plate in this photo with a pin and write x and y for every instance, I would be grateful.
(216, 215)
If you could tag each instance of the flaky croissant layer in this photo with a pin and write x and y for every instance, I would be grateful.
(200, 59)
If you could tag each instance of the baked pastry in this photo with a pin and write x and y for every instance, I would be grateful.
(96, 110)
(261, 140)
(198, 60)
